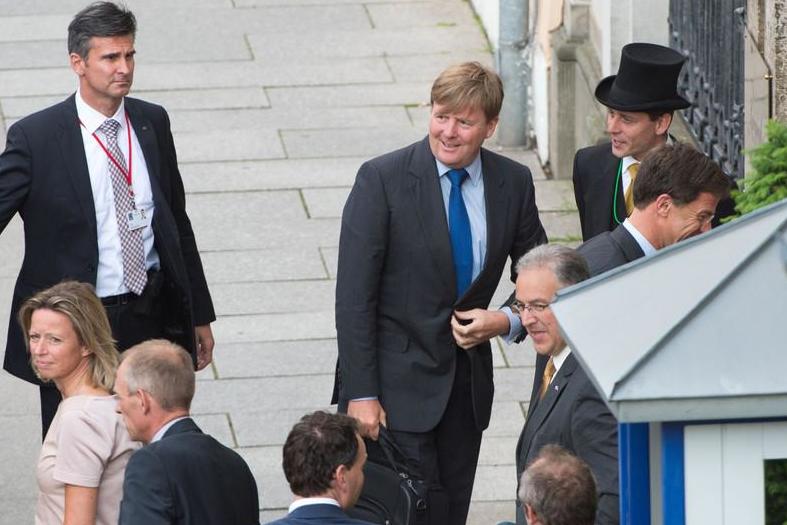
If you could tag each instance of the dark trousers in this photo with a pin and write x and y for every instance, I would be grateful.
(446, 457)
(128, 329)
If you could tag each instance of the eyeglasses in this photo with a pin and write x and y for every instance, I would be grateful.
(519, 307)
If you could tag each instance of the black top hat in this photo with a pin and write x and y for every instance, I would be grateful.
(647, 79)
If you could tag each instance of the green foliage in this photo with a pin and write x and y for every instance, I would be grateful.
(768, 181)
(776, 492)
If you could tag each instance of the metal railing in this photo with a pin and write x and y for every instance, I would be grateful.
(710, 34)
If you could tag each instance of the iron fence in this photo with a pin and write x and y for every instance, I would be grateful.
(710, 34)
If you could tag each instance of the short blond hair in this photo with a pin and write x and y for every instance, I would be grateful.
(78, 302)
(469, 85)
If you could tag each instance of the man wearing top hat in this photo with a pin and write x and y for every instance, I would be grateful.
(640, 101)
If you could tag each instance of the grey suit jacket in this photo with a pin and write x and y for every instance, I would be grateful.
(396, 291)
(573, 415)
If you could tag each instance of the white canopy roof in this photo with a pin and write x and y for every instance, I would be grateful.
(696, 331)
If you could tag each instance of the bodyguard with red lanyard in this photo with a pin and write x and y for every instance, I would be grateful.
(96, 182)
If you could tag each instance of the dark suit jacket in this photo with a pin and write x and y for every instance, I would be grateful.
(595, 171)
(317, 515)
(573, 415)
(44, 177)
(188, 478)
(396, 291)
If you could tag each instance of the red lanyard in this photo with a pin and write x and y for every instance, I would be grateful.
(119, 165)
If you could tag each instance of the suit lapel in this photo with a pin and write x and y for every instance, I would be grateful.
(610, 184)
(72, 150)
(496, 201)
(543, 407)
(430, 210)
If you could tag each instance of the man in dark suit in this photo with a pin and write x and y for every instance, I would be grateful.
(181, 476)
(568, 410)
(675, 197)
(95, 179)
(323, 461)
(425, 235)
(640, 101)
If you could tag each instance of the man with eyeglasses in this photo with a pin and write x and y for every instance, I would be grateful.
(567, 411)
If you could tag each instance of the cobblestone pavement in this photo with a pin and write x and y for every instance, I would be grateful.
(274, 105)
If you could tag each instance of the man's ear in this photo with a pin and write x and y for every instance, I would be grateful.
(77, 64)
(340, 475)
(663, 123)
(532, 518)
(664, 204)
(145, 400)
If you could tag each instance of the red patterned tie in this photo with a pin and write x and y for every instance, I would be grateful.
(134, 276)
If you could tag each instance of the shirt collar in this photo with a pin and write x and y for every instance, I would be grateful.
(647, 248)
(627, 163)
(302, 502)
(560, 358)
(92, 119)
(473, 169)
(167, 426)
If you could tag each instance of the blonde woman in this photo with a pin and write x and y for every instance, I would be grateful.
(84, 455)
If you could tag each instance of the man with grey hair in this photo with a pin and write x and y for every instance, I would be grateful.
(182, 476)
(567, 411)
(558, 488)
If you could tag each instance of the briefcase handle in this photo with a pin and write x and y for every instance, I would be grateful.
(396, 458)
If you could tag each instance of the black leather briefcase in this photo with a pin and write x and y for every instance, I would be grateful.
(390, 496)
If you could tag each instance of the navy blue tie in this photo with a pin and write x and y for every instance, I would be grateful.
(459, 229)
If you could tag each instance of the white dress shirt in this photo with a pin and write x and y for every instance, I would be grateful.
(109, 274)
(302, 502)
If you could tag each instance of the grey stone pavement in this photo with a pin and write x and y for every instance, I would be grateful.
(274, 105)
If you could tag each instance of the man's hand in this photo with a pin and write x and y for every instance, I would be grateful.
(204, 345)
(370, 416)
(476, 326)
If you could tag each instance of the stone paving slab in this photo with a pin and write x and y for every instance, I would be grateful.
(290, 118)
(237, 395)
(218, 426)
(273, 297)
(35, 54)
(368, 142)
(10, 262)
(258, 211)
(20, 435)
(274, 48)
(265, 464)
(427, 14)
(276, 174)
(276, 359)
(561, 226)
(274, 327)
(270, 427)
(230, 144)
(373, 94)
(272, 264)
(33, 28)
(495, 483)
(491, 512)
